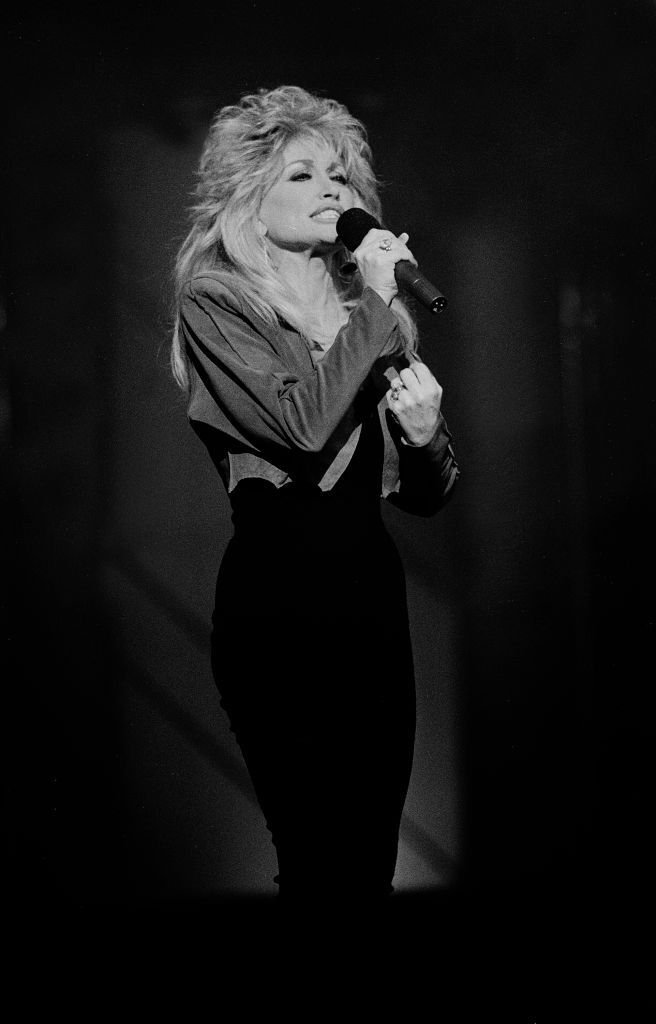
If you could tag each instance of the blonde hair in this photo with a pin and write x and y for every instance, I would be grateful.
(241, 157)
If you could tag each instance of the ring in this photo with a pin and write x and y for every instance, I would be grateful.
(396, 391)
(386, 244)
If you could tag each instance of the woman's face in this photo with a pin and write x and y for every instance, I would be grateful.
(300, 211)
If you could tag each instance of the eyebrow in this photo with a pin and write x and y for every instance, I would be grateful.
(309, 162)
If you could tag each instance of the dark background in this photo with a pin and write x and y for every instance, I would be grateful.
(517, 144)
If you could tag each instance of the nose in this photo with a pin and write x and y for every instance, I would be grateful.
(329, 188)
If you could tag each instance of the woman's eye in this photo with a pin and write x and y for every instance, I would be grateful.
(305, 176)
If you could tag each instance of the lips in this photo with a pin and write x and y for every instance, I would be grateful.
(329, 214)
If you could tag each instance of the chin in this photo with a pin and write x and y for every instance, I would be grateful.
(329, 235)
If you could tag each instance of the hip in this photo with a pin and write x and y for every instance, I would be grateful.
(320, 570)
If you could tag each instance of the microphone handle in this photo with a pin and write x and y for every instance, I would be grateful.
(412, 279)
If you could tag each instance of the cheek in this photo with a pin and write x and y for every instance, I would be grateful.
(276, 200)
(287, 209)
(353, 199)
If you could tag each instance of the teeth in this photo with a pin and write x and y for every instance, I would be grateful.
(328, 215)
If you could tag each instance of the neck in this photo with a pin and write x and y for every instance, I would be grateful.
(308, 275)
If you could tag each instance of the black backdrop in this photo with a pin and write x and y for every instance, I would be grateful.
(518, 143)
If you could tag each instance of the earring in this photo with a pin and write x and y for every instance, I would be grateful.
(267, 256)
(261, 229)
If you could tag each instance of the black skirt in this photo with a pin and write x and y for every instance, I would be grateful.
(312, 657)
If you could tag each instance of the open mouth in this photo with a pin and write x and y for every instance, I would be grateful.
(329, 216)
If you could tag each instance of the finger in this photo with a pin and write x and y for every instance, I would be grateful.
(392, 401)
(399, 403)
(400, 249)
(405, 254)
(398, 394)
(376, 236)
(428, 386)
(411, 382)
(422, 373)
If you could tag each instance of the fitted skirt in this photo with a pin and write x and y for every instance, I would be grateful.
(311, 654)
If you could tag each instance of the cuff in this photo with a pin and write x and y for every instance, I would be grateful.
(437, 445)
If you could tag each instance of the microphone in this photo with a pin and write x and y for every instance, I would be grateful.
(354, 224)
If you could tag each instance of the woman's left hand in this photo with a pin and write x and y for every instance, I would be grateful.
(415, 398)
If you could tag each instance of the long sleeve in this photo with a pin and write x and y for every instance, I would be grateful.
(249, 381)
(427, 474)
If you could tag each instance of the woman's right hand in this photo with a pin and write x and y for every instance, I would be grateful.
(376, 257)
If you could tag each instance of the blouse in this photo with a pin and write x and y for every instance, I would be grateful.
(266, 409)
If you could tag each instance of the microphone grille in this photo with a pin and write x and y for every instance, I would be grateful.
(353, 225)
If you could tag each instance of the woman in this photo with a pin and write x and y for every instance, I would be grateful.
(304, 385)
